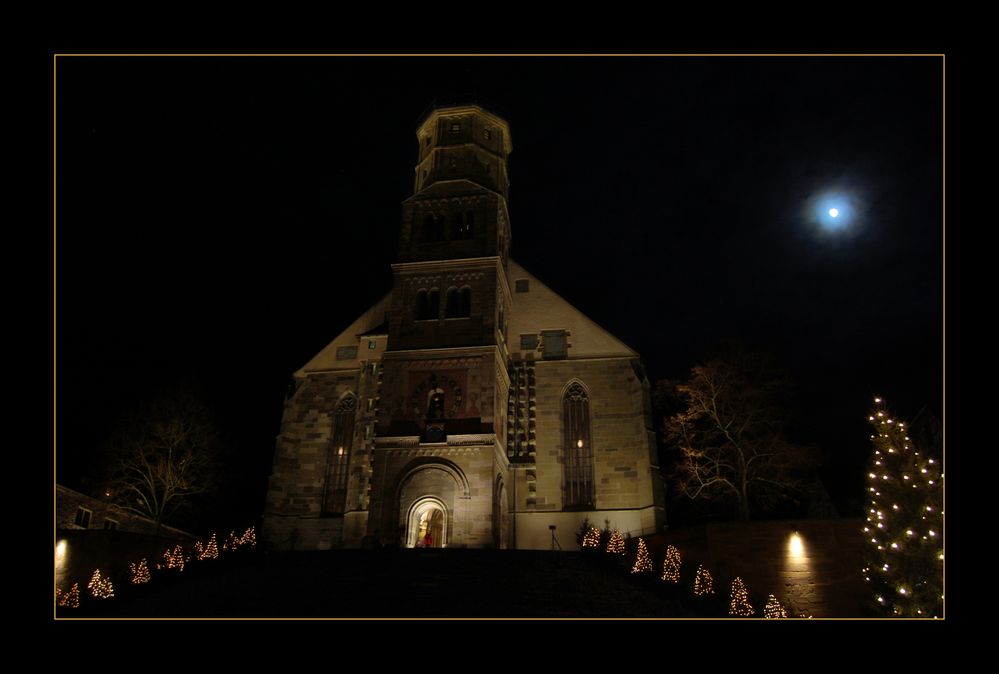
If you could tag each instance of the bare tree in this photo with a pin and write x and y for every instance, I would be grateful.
(163, 455)
(730, 437)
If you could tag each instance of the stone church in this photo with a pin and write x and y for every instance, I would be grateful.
(471, 406)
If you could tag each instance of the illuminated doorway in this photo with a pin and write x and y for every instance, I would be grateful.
(428, 515)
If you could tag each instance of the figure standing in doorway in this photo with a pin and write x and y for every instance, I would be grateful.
(428, 540)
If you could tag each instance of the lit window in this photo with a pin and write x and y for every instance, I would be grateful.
(335, 490)
(83, 517)
(455, 127)
(577, 448)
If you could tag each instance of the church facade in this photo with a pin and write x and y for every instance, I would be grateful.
(471, 406)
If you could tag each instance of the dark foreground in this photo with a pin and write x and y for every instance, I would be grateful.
(399, 584)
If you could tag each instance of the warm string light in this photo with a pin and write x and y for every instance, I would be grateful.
(249, 537)
(592, 538)
(740, 605)
(231, 542)
(70, 599)
(643, 563)
(671, 565)
(616, 544)
(100, 588)
(703, 582)
(199, 550)
(174, 559)
(903, 565)
(140, 572)
(773, 609)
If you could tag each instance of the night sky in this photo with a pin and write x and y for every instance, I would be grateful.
(219, 220)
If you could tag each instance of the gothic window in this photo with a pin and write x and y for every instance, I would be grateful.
(338, 457)
(577, 448)
(440, 223)
(462, 228)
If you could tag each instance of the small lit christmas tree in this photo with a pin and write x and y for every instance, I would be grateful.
(740, 605)
(773, 609)
(71, 599)
(616, 544)
(904, 528)
(249, 537)
(671, 565)
(231, 542)
(100, 588)
(140, 572)
(703, 582)
(176, 560)
(212, 549)
(643, 563)
(592, 538)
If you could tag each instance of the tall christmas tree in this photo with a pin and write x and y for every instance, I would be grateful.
(904, 528)
(740, 605)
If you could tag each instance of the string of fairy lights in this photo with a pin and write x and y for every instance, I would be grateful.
(643, 563)
(102, 587)
(616, 544)
(703, 582)
(739, 605)
(592, 538)
(671, 564)
(773, 609)
(904, 522)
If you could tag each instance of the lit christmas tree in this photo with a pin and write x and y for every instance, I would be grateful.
(904, 528)
(231, 542)
(249, 537)
(71, 599)
(212, 549)
(740, 605)
(643, 562)
(773, 609)
(703, 582)
(100, 588)
(592, 538)
(616, 544)
(199, 550)
(175, 560)
(140, 572)
(671, 565)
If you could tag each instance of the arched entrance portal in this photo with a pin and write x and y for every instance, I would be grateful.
(428, 514)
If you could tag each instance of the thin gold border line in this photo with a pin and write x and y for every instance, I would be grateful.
(436, 55)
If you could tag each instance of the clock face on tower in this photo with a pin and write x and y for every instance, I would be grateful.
(437, 397)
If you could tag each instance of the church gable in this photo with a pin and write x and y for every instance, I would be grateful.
(346, 351)
(540, 311)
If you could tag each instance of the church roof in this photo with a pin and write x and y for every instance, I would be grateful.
(371, 322)
(541, 308)
(538, 309)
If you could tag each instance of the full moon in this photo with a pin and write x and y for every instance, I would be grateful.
(833, 212)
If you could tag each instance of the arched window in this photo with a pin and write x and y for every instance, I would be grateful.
(428, 228)
(451, 308)
(434, 304)
(577, 448)
(465, 302)
(440, 223)
(422, 306)
(338, 455)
